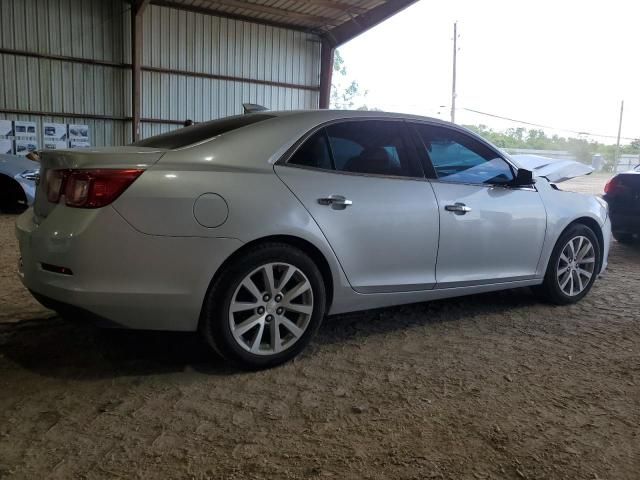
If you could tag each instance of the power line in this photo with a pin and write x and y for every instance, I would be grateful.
(545, 126)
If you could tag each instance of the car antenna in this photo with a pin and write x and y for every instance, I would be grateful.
(253, 108)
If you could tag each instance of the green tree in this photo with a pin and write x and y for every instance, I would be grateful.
(345, 93)
(537, 139)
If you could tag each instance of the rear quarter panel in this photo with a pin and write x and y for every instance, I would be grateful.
(161, 201)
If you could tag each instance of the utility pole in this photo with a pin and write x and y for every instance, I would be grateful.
(453, 86)
(615, 157)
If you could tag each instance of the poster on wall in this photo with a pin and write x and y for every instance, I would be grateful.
(79, 144)
(79, 132)
(6, 146)
(24, 129)
(51, 144)
(6, 128)
(54, 131)
(25, 146)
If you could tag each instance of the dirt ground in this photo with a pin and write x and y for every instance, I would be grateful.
(488, 386)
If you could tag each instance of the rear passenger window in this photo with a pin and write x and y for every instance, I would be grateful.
(314, 152)
(375, 147)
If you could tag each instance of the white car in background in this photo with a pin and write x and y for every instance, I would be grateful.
(18, 177)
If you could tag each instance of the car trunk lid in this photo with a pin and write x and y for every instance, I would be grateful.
(89, 158)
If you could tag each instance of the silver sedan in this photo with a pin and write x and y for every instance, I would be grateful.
(250, 229)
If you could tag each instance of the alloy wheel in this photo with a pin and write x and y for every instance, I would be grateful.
(576, 265)
(271, 308)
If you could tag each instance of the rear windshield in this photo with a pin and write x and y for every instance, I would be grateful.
(200, 132)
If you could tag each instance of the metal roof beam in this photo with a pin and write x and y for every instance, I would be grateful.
(326, 73)
(137, 10)
(279, 12)
(339, 6)
(139, 6)
(361, 23)
(232, 16)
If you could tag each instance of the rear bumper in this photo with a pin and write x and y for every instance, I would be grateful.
(129, 278)
(625, 222)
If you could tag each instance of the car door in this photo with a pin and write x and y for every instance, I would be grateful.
(363, 184)
(490, 231)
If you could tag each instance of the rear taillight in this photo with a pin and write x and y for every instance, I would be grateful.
(614, 187)
(88, 188)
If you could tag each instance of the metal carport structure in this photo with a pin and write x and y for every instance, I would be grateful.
(334, 21)
(135, 68)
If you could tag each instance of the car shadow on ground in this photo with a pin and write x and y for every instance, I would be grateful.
(13, 210)
(78, 350)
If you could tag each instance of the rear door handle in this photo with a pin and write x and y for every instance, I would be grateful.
(337, 202)
(457, 208)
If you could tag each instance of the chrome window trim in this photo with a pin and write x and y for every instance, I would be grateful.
(353, 174)
(529, 188)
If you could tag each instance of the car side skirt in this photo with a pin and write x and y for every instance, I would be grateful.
(351, 301)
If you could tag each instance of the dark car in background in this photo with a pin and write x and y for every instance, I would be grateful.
(622, 193)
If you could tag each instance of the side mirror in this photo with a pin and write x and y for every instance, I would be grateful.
(524, 178)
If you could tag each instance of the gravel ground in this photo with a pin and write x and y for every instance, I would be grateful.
(593, 183)
(488, 386)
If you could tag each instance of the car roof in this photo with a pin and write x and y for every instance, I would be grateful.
(328, 115)
(281, 130)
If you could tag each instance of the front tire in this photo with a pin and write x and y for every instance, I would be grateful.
(265, 307)
(573, 266)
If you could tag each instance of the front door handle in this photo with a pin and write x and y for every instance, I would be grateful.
(337, 202)
(457, 208)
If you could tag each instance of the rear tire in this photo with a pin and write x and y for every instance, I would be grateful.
(573, 266)
(264, 308)
(626, 238)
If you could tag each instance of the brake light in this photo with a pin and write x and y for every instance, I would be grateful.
(89, 188)
(614, 187)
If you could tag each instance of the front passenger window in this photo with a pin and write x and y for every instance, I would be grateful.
(459, 158)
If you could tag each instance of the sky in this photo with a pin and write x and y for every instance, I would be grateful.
(565, 64)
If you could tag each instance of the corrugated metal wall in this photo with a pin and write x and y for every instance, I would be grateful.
(209, 46)
(84, 29)
(195, 66)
